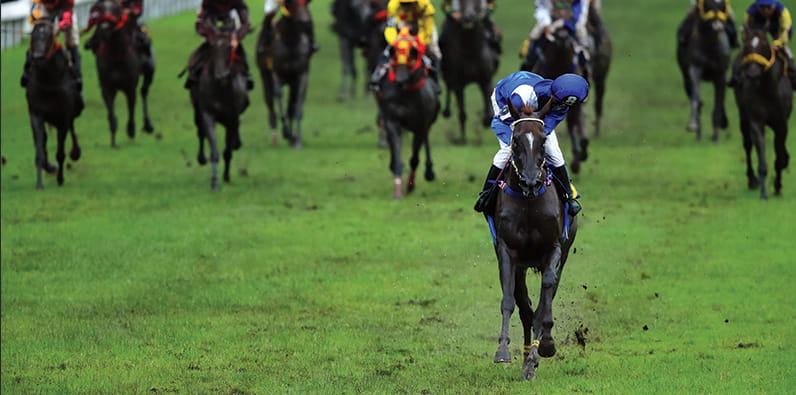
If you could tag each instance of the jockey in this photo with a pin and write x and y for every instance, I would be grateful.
(698, 11)
(774, 16)
(526, 89)
(451, 8)
(131, 11)
(61, 9)
(531, 50)
(272, 6)
(212, 11)
(419, 16)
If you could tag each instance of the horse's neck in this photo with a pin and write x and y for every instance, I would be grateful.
(118, 42)
(52, 71)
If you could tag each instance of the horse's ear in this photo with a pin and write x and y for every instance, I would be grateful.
(515, 113)
(545, 109)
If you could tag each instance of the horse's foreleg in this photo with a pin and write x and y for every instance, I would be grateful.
(268, 95)
(720, 121)
(543, 321)
(446, 112)
(580, 129)
(530, 353)
(60, 155)
(507, 278)
(131, 97)
(108, 96)
(759, 141)
(396, 165)
(209, 129)
(694, 124)
(414, 160)
(746, 132)
(231, 139)
(599, 92)
(74, 154)
(430, 176)
(348, 77)
(297, 102)
(462, 114)
(486, 92)
(149, 73)
(781, 152)
(40, 141)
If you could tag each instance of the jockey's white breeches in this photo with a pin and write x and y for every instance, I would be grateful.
(552, 154)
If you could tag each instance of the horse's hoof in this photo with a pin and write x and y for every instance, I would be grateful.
(430, 176)
(49, 168)
(446, 113)
(39, 186)
(383, 144)
(297, 145)
(148, 127)
(502, 355)
(547, 347)
(576, 167)
(74, 154)
(201, 159)
(60, 180)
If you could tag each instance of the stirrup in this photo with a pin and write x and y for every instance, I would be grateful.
(574, 207)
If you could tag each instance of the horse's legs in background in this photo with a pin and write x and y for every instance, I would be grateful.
(209, 127)
(719, 115)
(268, 94)
(746, 132)
(577, 137)
(287, 134)
(131, 97)
(349, 73)
(148, 68)
(530, 354)
(40, 141)
(599, 92)
(459, 92)
(507, 283)
(393, 129)
(543, 321)
(486, 93)
(446, 112)
(60, 155)
(382, 131)
(694, 125)
(298, 93)
(757, 134)
(781, 152)
(418, 139)
(430, 176)
(108, 96)
(231, 139)
(74, 154)
(200, 132)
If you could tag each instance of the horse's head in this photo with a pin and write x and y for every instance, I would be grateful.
(43, 42)
(221, 53)
(713, 14)
(527, 150)
(107, 16)
(757, 55)
(406, 59)
(296, 9)
(471, 12)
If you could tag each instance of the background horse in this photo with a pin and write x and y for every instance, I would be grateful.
(220, 95)
(408, 99)
(765, 98)
(559, 57)
(467, 58)
(120, 65)
(53, 97)
(704, 57)
(376, 22)
(286, 61)
(601, 50)
(349, 24)
(530, 232)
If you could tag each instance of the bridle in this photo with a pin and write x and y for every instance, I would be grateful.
(55, 46)
(541, 179)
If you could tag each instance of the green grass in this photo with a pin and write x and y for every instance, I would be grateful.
(303, 276)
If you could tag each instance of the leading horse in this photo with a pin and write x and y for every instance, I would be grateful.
(284, 59)
(467, 58)
(408, 99)
(120, 65)
(705, 56)
(220, 95)
(764, 97)
(53, 97)
(531, 230)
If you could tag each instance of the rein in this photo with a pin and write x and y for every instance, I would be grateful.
(760, 59)
(504, 185)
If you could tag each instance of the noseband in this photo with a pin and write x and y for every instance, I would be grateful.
(542, 177)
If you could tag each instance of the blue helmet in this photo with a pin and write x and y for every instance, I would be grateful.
(765, 3)
(570, 88)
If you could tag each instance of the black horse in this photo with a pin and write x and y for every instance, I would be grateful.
(285, 60)
(220, 95)
(765, 98)
(705, 56)
(559, 57)
(532, 230)
(120, 65)
(601, 50)
(375, 23)
(349, 25)
(467, 58)
(408, 99)
(53, 98)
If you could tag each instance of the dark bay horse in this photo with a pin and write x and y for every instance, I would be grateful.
(559, 57)
(601, 49)
(220, 96)
(285, 61)
(349, 25)
(765, 98)
(705, 56)
(120, 65)
(53, 98)
(467, 58)
(531, 231)
(375, 23)
(408, 100)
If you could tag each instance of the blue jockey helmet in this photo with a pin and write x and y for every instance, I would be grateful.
(570, 88)
(765, 3)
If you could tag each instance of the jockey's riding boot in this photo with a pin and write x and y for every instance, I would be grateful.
(308, 26)
(486, 201)
(565, 189)
(249, 80)
(729, 27)
(25, 71)
(91, 43)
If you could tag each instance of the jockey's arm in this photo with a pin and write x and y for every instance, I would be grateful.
(66, 14)
(243, 15)
(542, 12)
(270, 9)
(426, 25)
(785, 26)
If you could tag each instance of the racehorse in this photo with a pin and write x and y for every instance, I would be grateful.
(601, 50)
(705, 56)
(408, 99)
(468, 58)
(349, 24)
(285, 60)
(559, 57)
(53, 97)
(375, 23)
(120, 65)
(220, 95)
(531, 230)
(764, 97)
